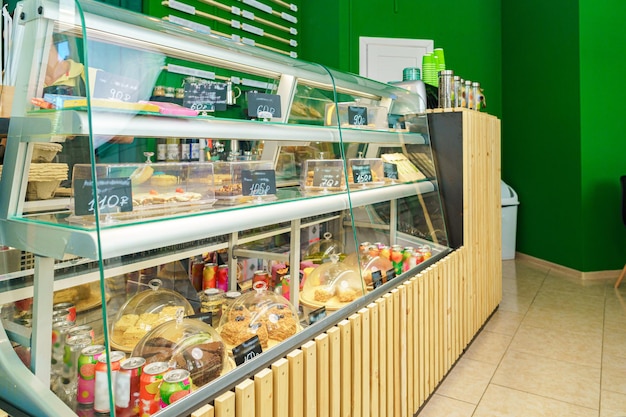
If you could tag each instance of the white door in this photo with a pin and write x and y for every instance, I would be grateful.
(383, 59)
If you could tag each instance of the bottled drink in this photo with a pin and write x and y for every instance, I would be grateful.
(173, 150)
(161, 153)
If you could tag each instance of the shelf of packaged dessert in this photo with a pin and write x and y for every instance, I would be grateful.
(39, 125)
(56, 235)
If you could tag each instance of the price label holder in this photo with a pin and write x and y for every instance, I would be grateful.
(362, 174)
(390, 170)
(262, 102)
(258, 183)
(114, 195)
(248, 350)
(206, 97)
(377, 279)
(206, 317)
(357, 116)
(115, 87)
(391, 274)
(317, 315)
(327, 176)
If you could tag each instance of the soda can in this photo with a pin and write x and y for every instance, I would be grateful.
(83, 329)
(61, 315)
(176, 384)
(396, 258)
(407, 253)
(73, 348)
(149, 384)
(196, 273)
(70, 307)
(85, 410)
(261, 276)
(222, 275)
(87, 373)
(127, 387)
(209, 276)
(101, 402)
(363, 246)
(59, 334)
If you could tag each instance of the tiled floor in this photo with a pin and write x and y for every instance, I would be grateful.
(556, 346)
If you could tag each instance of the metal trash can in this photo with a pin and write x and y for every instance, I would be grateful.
(510, 202)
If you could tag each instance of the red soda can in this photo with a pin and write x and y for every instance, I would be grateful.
(176, 384)
(209, 276)
(149, 385)
(127, 387)
(101, 401)
(197, 273)
(261, 276)
(222, 275)
(87, 373)
(71, 309)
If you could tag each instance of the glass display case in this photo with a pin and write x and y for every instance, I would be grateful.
(246, 178)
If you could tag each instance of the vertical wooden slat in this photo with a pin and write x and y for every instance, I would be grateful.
(296, 383)
(410, 343)
(429, 355)
(374, 360)
(281, 399)
(357, 366)
(346, 371)
(397, 354)
(244, 399)
(323, 375)
(403, 397)
(334, 382)
(366, 361)
(391, 351)
(309, 350)
(423, 331)
(264, 393)
(416, 343)
(225, 405)
(206, 410)
(382, 354)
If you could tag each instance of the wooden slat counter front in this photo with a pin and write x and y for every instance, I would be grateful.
(388, 358)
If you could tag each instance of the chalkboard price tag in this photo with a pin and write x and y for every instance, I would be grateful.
(327, 176)
(262, 102)
(115, 87)
(114, 195)
(377, 278)
(361, 174)
(205, 97)
(259, 182)
(391, 274)
(317, 315)
(248, 350)
(357, 116)
(390, 170)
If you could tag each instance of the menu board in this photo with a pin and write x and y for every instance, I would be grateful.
(259, 182)
(327, 176)
(263, 103)
(207, 96)
(114, 195)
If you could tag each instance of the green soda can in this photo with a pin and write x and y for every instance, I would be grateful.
(176, 384)
(87, 373)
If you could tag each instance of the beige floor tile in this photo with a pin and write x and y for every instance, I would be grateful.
(439, 406)
(612, 404)
(614, 373)
(505, 322)
(562, 381)
(467, 381)
(488, 347)
(505, 402)
(576, 301)
(515, 303)
(614, 342)
(584, 321)
(558, 281)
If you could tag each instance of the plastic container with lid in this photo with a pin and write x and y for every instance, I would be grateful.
(333, 285)
(189, 344)
(370, 266)
(261, 313)
(211, 301)
(320, 251)
(145, 311)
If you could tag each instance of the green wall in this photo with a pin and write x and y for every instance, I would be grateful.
(470, 35)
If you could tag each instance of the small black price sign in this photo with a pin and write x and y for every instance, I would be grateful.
(259, 182)
(209, 96)
(391, 274)
(357, 116)
(248, 350)
(262, 102)
(390, 170)
(361, 174)
(327, 176)
(377, 278)
(317, 315)
(113, 195)
(115, 87)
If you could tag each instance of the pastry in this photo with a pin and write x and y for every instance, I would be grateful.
(346, 294)
(141, 175)
(323, 294)
(163, 180)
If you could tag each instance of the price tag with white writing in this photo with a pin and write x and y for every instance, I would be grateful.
(263, 103)
(391, 274)
(326, 177)
(115, 87)
(377, 278)
(361, 174)
(357, 115)
(260, 182)
(390, 170)
(205, 97)
(248, 350)
(317, 315)
(113, 195)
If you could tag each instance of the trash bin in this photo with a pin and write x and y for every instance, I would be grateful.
(509, 220)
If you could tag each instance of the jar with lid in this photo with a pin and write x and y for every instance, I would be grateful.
(211, 301)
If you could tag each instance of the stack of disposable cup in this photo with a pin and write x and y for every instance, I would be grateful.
(429, 69)
(440, 61)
